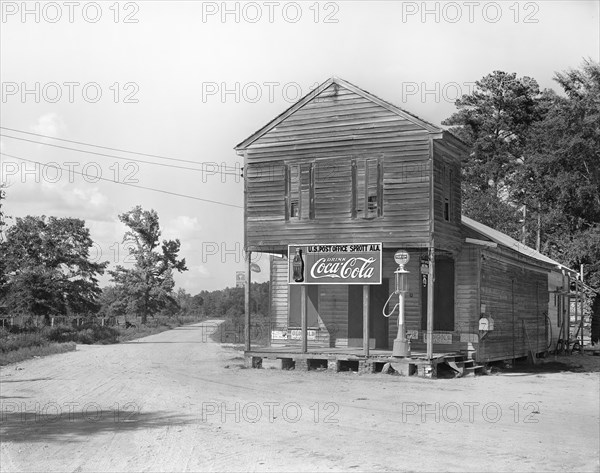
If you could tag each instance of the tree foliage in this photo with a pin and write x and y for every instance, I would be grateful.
(147, 288)
(540, 151)
(3, 279)
(494, 121)
(562, 171)
(229, 302)
(47, 268)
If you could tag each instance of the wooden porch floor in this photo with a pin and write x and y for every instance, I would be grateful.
(341, 353)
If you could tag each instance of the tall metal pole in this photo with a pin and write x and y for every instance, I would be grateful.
(401, 323)
(401, 344)
(430, 301)
(366, 306)
(568, 317)
(581, 294)
(304, 318)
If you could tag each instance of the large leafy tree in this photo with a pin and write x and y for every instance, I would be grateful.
(495, 121)
(147, 288)
(47, 268)
(562, 171)
(540, 151)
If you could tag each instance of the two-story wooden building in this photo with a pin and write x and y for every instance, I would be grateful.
(348, 179)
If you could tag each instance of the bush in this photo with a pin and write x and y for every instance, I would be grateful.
(62, 333)
(84, 334)
(27, 353)
(14, 341)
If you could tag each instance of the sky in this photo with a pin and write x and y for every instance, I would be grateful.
(167, 89)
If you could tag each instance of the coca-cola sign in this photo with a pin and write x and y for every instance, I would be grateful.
(351, 263)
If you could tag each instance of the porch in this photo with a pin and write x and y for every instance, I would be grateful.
(355, 359)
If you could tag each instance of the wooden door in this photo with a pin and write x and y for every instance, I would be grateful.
(443, 296)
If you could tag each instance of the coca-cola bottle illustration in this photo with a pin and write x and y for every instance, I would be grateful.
(298, 266)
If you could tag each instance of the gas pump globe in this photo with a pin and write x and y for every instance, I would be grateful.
(401, 344)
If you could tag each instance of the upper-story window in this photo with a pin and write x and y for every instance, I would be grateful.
(448, 178)
(367, 188)
(300, 191)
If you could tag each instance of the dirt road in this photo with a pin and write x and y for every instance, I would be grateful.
(178, 402)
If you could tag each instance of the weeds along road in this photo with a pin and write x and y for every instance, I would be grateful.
(176, 401)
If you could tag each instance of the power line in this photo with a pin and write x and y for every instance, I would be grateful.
(108, 148)
(117, 157)
(125, 183)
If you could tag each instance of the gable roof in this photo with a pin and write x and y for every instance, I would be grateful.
(508, 242)
(321, 88)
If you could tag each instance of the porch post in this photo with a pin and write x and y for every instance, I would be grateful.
(366, 334)
(247, 300)
(430, 302)
(568, 317)
(303, 316)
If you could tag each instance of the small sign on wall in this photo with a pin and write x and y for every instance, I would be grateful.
(240, 279)
(297, 334)
(412, 334)
(440, 338)
(279, 335)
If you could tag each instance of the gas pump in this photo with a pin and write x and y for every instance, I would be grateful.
(401, 343)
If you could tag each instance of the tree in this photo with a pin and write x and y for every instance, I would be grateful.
(47, 267)
(562, 171)
(112, 304)
(494, 121)
(3, 279)
(147, 288)
(189, 305)
(539, 151)
(2, 223)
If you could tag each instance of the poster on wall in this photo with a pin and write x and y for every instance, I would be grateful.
(339, 263)
(240, 279)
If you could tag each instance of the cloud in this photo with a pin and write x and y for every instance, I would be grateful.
(41, 198)
(182, 227)
(50, 124)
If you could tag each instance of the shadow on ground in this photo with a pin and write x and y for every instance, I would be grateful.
(75, 426)
(560, 364)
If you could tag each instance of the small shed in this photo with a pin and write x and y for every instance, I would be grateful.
(334, 187)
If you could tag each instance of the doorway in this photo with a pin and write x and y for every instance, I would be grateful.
(443, 295)
(378, 324)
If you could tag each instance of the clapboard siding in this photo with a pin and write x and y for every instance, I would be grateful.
(405, 219)
(329, 132)
(447, 185)
(279, 293)
(513, 294)
(466, 316)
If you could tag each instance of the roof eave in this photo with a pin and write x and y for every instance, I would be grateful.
(436, 131)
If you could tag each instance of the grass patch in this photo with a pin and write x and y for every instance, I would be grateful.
(26, 353)
(232, 331)
(15, 341)
(85, 334)
(19, 343)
